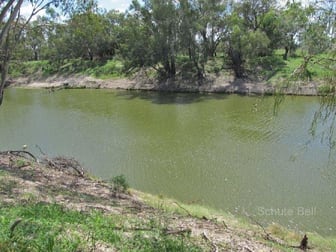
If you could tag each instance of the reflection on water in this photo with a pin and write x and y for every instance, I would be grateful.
(228, 152)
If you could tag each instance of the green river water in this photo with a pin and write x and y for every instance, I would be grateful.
(224, 151)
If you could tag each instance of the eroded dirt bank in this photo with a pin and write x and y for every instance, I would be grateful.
(219, 84)
(52, 181)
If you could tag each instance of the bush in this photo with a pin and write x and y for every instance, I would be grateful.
(119, 183)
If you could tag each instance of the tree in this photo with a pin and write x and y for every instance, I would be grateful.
(86, 34)
(33, 41)
(246, 40)
(151, 36)
(12, 26)
(293, 24)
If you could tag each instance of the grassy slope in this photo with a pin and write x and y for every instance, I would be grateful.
(273, 68)
(285, 69)
(102, 70)
(58, 211)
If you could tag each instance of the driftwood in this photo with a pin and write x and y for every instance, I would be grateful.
(64, 164)
(20, 153)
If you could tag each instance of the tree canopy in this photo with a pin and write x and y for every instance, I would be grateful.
(172, 37)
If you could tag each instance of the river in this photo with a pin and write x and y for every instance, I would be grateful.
(227, 152)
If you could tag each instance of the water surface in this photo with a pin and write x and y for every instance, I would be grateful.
(227, 152)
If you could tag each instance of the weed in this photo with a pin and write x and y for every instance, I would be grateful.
(52, 227)
(119, 183)
(7, 185)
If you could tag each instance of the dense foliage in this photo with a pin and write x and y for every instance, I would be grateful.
(176, 38)
(14, 27)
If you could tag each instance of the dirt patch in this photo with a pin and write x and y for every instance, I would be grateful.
(25, 180)
(217, 84)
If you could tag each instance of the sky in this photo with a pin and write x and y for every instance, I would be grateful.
(120, 5)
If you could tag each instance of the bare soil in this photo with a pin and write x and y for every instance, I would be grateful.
(82, 193)
(213, 84)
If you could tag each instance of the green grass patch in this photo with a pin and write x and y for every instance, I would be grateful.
(111, 69)
(52, 227)
(3, 173)
(98, 69)
(318, 68)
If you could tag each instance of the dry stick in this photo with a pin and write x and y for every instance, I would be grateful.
(132, 229)
(60, 163)
(226, 226)
(13, 226)
(177, 232)
(42, 152)
(248, 249)
(166, 231)
(179, 205)
(262, 227)
(281, 243)
(214, 246)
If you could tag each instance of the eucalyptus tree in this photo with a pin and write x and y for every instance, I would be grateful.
(253, 11)
(190, 44)
(247, 39)
(135, 39)
(33, 43)
(86, 35)
(12, 24)
(153, 41)
(325, 10)
(201, 29)
(210, 22)
(293, 24)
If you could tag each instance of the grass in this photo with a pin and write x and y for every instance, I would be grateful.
(272, 68)
(119, 183)
(111, 69)
(290, 237)
(102, 70)
(52, 227)
(317, 67)
(39, 213)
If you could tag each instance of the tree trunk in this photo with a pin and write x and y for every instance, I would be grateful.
(285, 56)
(237, 63)
(4, 69)
(172, 66)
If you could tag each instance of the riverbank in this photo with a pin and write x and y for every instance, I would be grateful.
(53, 204)
(218, 84)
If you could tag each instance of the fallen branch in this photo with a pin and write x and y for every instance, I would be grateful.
(177, 232)
(42, 152)
(165, 231)
(213, 245)
(179, 205)
(248, 249)
(13, 226)
(63, 164)
(19, 153)
(132, 229)
(303, 244)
